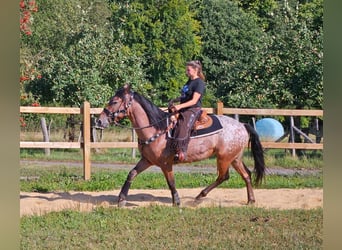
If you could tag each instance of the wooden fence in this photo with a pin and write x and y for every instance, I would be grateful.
(86, 145)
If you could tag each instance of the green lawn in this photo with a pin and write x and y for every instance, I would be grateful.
(160, 227)
(164, 227)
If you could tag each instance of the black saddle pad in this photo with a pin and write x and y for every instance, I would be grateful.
(214, 128)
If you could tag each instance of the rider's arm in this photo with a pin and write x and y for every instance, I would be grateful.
(196, 96)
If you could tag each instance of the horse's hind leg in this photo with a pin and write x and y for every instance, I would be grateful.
(223, 174)
(142, 165)
(241, 168)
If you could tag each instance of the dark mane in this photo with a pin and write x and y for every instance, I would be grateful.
(156, 116)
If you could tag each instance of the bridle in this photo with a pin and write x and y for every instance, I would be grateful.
(123, 112)
(113, 115)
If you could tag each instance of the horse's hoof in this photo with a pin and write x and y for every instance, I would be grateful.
(200, 196)
(251, 202)
(176, 203)
(122, 203)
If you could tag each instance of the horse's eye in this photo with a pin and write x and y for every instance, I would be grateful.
(112, 102)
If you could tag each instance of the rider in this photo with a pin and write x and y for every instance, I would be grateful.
(189, 108)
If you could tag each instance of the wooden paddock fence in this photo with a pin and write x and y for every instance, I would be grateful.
(86, 145)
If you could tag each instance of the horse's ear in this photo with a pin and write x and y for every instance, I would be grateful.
(127, 88)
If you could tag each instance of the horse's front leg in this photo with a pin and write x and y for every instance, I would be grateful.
(168, 173)
(142, 165)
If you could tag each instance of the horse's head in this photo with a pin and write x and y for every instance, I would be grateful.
(116, 108)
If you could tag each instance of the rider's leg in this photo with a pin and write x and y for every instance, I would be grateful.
(182, 133)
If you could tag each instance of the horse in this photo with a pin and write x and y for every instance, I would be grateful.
(151, 126)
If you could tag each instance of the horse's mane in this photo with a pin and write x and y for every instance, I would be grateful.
(156, 116)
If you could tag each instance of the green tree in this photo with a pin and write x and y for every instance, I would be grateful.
(233, 47)
(87, 70)
(256, 53)
(262, 9)
(165, 34)
(250, 66)
(79, 58)
(292, 69)
(311, 12)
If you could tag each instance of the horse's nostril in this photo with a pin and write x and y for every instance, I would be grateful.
(99, 124)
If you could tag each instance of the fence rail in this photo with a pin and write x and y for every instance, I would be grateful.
(86, 111)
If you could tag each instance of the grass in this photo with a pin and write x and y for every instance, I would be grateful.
(48, 179)
(160, 227)
(274, 158)
(163, 227)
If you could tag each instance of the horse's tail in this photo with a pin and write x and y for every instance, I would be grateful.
(258, 153)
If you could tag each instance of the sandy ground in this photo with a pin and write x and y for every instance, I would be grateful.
(41, 203)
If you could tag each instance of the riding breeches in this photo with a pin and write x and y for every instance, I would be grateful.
(185, 124)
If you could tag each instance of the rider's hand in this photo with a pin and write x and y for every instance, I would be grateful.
(172, 109)
(171, 106)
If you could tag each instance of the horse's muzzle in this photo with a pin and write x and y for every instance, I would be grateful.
(99, 124)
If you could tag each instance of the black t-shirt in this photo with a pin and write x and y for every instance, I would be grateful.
(192, 86)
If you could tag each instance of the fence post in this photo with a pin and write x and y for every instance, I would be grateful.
(292, 135)
(86, 140)
(45, 134)
(219, 110)
(134, 140)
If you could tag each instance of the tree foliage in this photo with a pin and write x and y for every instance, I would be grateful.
(79, 58)
(255, 53)
(233, 47)
(293, 64)
(250, 66)
(165, 34)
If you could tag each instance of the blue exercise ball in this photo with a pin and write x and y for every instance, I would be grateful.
(269, 129)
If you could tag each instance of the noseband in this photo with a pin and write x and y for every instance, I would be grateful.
(113, 115)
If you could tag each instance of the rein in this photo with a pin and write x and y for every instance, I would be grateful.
(137, 128)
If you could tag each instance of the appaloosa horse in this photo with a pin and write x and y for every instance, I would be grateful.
(151, 125)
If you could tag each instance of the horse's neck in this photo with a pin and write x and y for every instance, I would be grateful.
(139, 119)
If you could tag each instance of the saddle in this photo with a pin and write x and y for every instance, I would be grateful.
(205, 125)
(204, 121)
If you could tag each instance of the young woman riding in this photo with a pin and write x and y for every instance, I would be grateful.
(189, 108)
